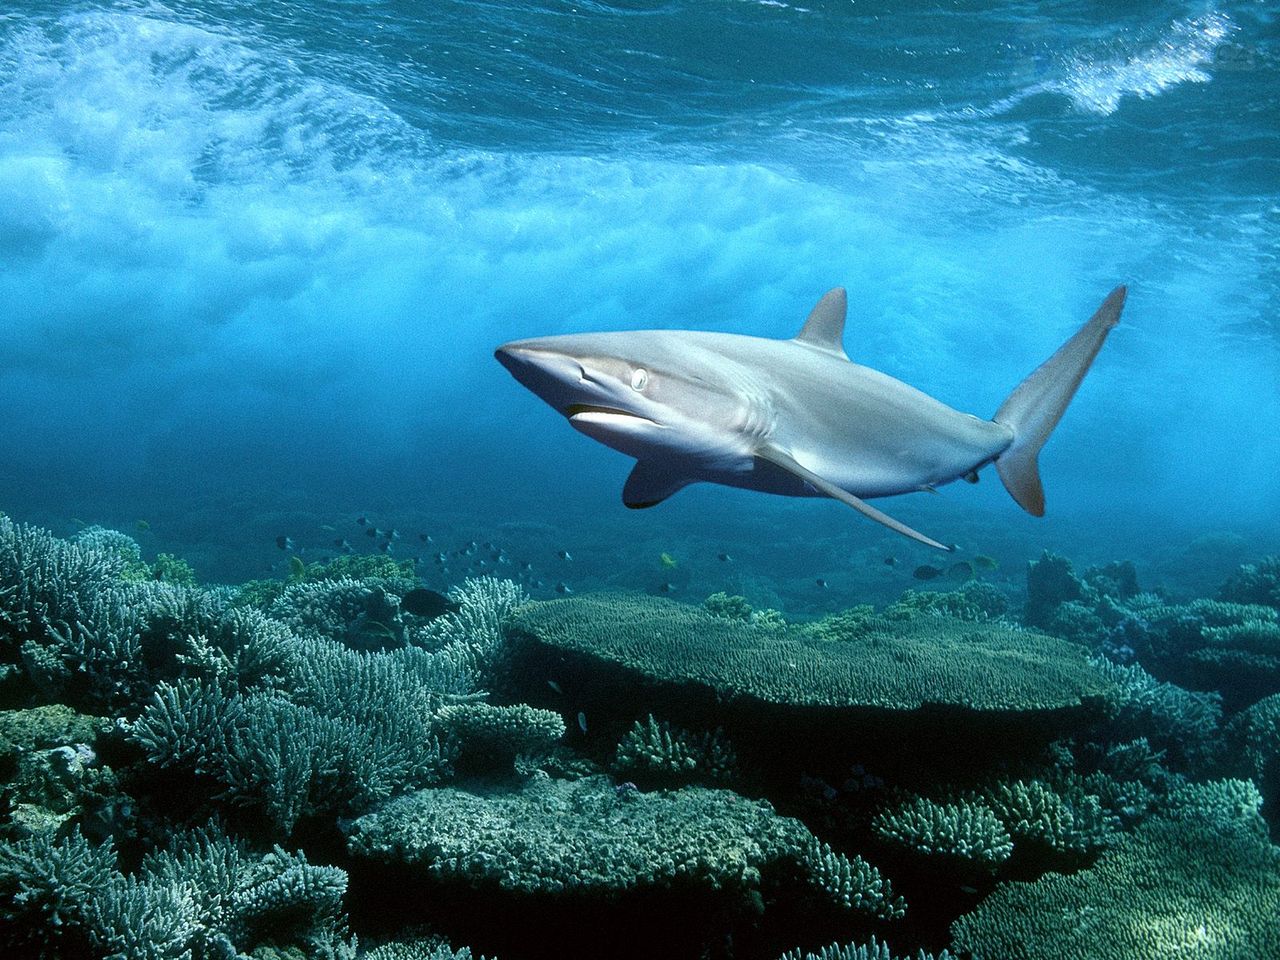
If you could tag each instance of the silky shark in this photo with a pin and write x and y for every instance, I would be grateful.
(794, 417)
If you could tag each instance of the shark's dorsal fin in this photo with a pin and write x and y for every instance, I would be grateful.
(825, 327)
(780, 458)
(650, 483)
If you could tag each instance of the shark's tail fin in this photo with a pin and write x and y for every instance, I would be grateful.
(1037, 404)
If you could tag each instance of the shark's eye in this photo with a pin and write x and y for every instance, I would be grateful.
(639, 379)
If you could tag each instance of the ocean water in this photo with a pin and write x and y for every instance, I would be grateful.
(255, 259)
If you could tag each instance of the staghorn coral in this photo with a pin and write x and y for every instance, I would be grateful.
(1183, 725)
(898, 666)
(47, 887)
(585, 838)
(361, 614)
(1177, 886)
(967, 831)
(872, 950)
(47, 584)
(850, 882)
(1034, 813)
(655, 752)
(202, 897)
(483, 604)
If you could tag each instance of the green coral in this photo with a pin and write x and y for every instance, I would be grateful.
(872, 950)
(898, 666)
(1178, 886)
(975, 601)
(487, 733)
(967, 831)
(585, 837)
(850, 882)
(203, 897)
(362, 614)
(1257, 583)
(1034, 813)
(654, 752)
(173, 570)
(419, 950)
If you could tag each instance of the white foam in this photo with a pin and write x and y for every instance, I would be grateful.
(1097, 81)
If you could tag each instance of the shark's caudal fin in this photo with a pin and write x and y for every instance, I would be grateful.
(1036, 406)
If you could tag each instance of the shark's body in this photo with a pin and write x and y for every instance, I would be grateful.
(792, 417)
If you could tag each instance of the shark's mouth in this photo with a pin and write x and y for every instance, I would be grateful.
(578, 409)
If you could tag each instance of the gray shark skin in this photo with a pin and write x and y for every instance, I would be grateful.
(793, 417)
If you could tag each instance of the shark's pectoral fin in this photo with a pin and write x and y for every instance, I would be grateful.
(786, 462)
(650, 483)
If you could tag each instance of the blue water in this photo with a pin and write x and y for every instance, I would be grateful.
(254, 260)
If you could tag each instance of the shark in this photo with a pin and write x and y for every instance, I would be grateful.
(795, 417)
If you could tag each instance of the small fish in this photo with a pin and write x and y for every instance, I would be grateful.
(296, 567)
(582, 721)
(563, 587)
(962, 569)
(668, 561)
(526, 566)
(386, 547)
(822, 584)
(440, 559)
(284, 543)
(724, 557)
(555, 688)
(563, 555)
(424, 537)
(667, 587)
(371, 532)
(392, 534)
(142, 526)
(422, 602)
(983, 562)
(80, 523)
(890, 561)
(968, 889)
(328, 528)
(926, 571)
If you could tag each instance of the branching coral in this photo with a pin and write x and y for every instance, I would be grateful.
(966, 831)
(655, 752)
(490, 734)
(872, 950)
(850, 882)
(203, 897)
(1177, 886)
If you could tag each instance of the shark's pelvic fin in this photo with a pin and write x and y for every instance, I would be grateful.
(1037, 404)
(825, 327)
(786, 462)
(650, 483)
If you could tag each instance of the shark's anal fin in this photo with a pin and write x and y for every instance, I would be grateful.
(786, 462)
(650, 483)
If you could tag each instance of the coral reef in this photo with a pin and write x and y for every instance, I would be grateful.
(654, 753)
(204, 773)
(967, 831)
(894, 666)
(872, 950)
(1178, 885)
(587, 838)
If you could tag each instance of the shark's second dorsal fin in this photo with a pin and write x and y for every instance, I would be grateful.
(780, 458)
(825, 327)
